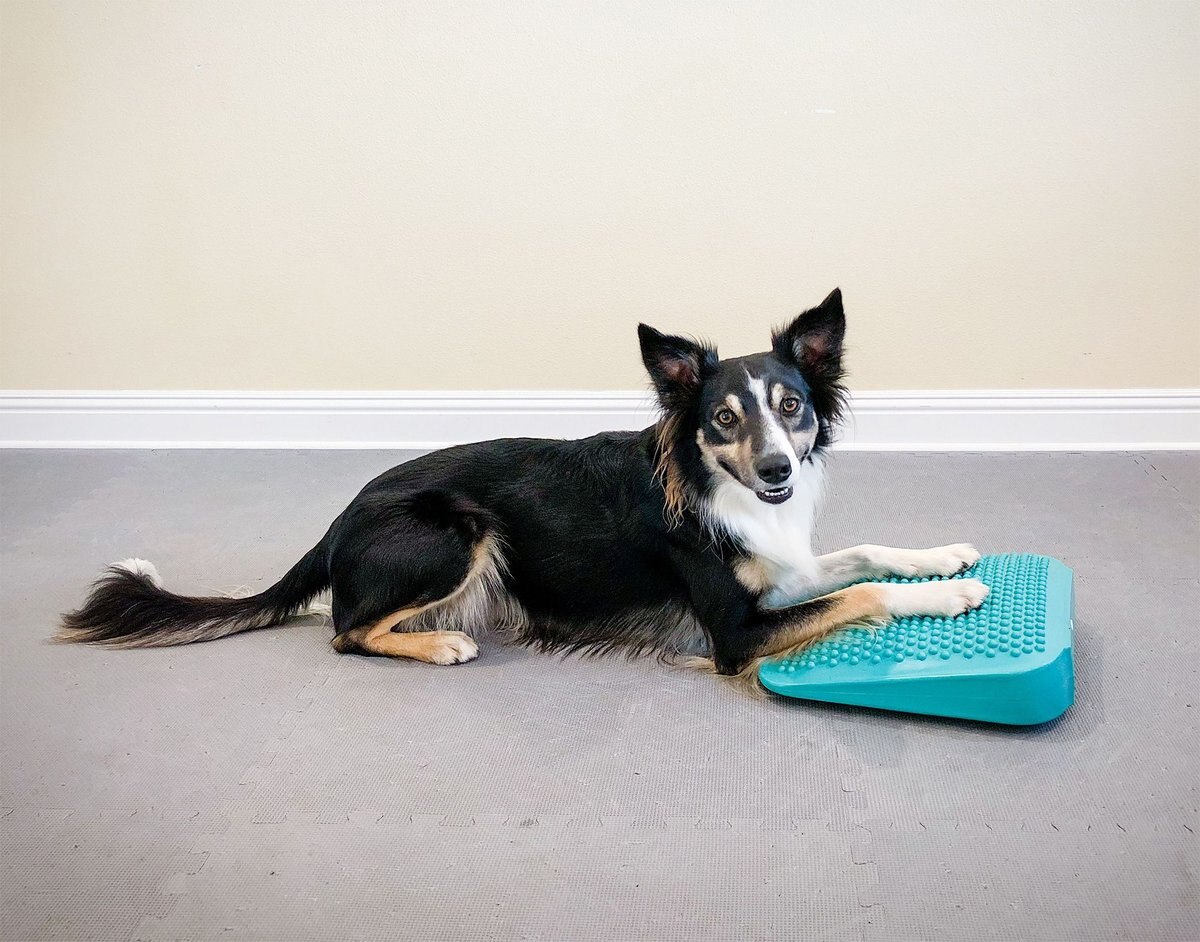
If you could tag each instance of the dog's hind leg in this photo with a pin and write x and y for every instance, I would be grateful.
(391, 567)
(433, 647)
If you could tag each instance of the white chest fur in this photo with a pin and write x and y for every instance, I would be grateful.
(779, 536)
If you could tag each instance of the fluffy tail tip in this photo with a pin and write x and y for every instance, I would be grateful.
(140, 567)
(90, 624)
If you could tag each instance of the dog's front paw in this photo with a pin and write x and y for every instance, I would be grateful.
(939, 561)
(936, 599)
(950, 560)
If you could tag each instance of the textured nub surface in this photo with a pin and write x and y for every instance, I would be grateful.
(1010, 623)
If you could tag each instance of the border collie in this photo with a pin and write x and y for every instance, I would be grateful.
(695, 530)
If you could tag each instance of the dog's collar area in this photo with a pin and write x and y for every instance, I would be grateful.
(775, 495)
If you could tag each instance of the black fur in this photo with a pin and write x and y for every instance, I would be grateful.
(678, 366)
(591, 557)
(126, 609)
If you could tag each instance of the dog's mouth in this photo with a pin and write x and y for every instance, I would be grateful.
(776, 495)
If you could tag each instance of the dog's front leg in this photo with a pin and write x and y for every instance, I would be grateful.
(771, 631)
(743, 630)
(845, 567)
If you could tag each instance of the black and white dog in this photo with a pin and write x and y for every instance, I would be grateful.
(698, 528)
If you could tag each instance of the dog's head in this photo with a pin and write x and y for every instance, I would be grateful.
(752, 419)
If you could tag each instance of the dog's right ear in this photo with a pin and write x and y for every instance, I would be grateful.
(676, 365)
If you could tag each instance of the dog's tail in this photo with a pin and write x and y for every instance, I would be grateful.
(129, 608)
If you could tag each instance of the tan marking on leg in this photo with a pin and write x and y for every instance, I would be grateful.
(360, 637)
(433, 647)
(753, 574)
(858, 604)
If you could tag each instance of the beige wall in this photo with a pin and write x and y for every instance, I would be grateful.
(335, 195)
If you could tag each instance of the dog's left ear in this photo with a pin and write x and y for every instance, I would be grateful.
(813, 341)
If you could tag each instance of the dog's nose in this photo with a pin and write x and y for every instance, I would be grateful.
(774, 469)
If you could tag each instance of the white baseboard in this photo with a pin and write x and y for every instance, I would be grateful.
(964, 420)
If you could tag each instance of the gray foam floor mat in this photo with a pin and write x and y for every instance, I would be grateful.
(263, 787)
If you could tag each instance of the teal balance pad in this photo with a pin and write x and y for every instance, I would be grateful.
(1009, 661)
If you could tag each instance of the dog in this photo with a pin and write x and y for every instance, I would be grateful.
(695, 532)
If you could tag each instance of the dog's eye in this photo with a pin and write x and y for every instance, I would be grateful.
(725, 417)
(790, 405)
